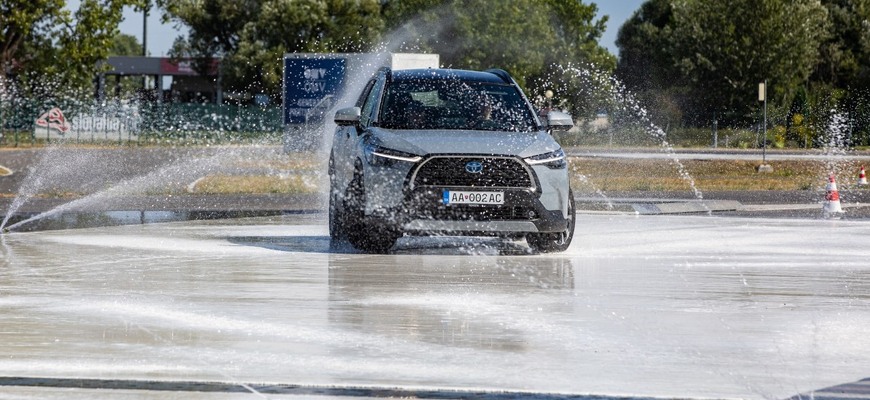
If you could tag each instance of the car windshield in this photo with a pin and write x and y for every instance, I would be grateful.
(455, 104)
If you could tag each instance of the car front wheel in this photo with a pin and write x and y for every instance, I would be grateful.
(336, 219)
(362, 233)
(555, 242)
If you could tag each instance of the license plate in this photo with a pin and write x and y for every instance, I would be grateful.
(462, 197)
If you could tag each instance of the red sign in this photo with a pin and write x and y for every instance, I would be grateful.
(184, 66)
(54, 119)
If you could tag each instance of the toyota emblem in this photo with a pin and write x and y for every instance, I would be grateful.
(474, 167)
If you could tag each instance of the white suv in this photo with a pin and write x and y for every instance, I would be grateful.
(448, 152)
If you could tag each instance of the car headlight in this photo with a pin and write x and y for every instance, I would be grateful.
(553, 160)
(377, 155)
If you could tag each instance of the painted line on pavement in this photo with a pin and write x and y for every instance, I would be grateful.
(290, 389)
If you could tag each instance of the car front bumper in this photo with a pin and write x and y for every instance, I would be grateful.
(424, 212)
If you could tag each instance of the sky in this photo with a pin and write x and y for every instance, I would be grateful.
(161, 36)
(619, 12)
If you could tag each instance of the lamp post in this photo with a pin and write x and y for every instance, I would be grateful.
(762, 96)
(145, 11)
(715, 131)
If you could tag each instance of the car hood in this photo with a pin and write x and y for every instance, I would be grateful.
(423, 142)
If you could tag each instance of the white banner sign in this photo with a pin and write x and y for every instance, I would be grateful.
(52, 125)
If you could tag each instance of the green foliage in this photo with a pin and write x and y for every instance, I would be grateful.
(715, 53)
(252, 36)
(724, 49)
(461, 32)
(27, 24)
(777, 136)
(643, 62)
(845, 54)
(525, 37)
(50, 50)
(125, 45)
(532, 39)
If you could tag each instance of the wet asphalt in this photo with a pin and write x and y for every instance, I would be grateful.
(638, 307)
(641, 305)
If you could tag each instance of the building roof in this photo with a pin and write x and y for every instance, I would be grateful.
(138, 65)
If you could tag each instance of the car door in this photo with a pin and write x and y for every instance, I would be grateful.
(343, 144)
(368, 117)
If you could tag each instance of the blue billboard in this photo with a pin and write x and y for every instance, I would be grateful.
(311, 87)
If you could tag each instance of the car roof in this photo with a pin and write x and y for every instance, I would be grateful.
(446, 74)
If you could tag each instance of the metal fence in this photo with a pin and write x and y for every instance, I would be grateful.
(150, 123)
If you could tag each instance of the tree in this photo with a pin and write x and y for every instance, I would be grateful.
(48, 49)
(251, 36)
(710, 56)
(646, 69)
(215, 25)
(724, 49)
(532, 39)
(643, 63)
(845, 55)
(579, 33)
(841, 79)
(526, 37)
(125, 45)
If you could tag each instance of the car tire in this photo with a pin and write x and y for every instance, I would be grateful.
(336, 219)
(336, 216)
(555, 242)
(361, 233)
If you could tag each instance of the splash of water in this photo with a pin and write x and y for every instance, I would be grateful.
(31, 187)
(56, 167)
(836, 149)
(627, 102)
(599, 192)
(154, 179)
(835, 146)
(157, 183)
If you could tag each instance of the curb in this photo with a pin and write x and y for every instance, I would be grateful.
(702, 206)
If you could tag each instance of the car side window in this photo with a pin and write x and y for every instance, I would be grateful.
(365, 93)
(371, 101)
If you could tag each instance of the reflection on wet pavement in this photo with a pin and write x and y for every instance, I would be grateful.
(732, 307)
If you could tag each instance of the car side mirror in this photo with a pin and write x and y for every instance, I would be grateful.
(558, 121)
(347, 116)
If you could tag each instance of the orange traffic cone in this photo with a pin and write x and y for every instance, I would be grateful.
(862, 177)
(832, 197)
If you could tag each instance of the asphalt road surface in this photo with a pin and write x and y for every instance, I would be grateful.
(664, 306)
(137, 180)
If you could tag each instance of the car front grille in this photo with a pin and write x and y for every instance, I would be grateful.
(475, 213)
(451, 171)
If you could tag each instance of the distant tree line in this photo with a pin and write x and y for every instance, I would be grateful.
(525, 37)
(696, 61)
(44, 47)
(51, 54)
(686, 61)
(49, 51)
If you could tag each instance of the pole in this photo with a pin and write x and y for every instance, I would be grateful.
(762, 96)
(145, 38)
(715, 133)
(764, 140)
